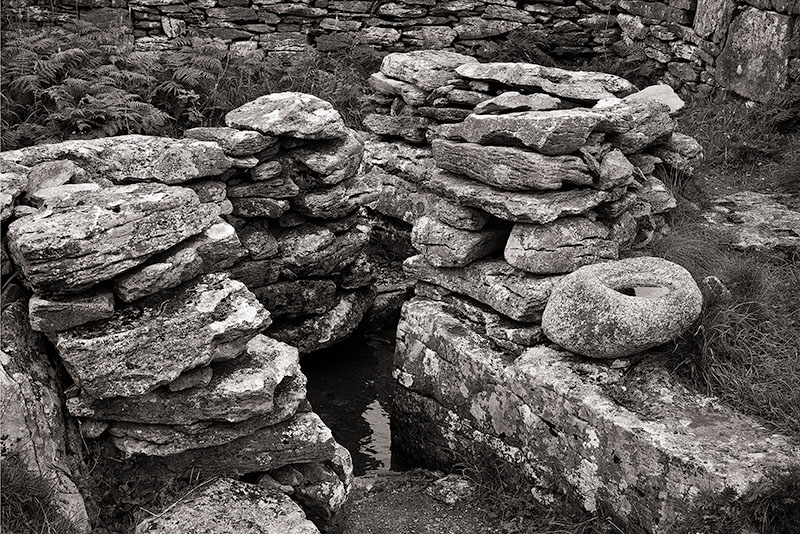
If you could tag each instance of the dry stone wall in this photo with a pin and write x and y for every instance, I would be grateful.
(179, 280)
(751, 47)
(524, 185)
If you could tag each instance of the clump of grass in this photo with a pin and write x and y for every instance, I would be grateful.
(747, 145)
(28, 501)
(744, 348)
(772, 507)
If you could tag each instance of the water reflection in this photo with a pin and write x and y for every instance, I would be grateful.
(349, 386)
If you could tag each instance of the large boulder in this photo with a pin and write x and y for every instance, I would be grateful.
(81, 239)
(589, 314)
(151, 343)
(289, 114)
(225, 506)
(755, 60)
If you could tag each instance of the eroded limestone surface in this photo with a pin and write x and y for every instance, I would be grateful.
(637, 443)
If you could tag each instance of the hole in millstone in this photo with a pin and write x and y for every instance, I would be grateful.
(644, 291)
(349, 387)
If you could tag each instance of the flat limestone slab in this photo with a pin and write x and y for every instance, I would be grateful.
(78, 240)
(535, 207)
(508, 290)
(636, 443)
(151, 343)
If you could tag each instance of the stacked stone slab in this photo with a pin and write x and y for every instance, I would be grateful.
(553, 168)
(180, 279)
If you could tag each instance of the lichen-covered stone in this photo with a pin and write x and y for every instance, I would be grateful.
(151, 343)
(408, 127)
(288, 114)
(233, 142)
(514, 293)
(634, 125)
(588, 314)
(227, 505)
(662, 93)
(298, 297)
(265, 378)
(446, 246)
(337, 200)
(410, 93)
(510, 168)
(560, 246)
(331, 161)
(514, 101)
(320, 331)
(427, 69)
(310, 250)
(132, 158)
(217, 248)
(76, 241)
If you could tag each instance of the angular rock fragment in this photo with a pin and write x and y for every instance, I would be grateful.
(13, 182)
(412, 163)
(226, 506)
(519, 206)
(410, 128)
(510, 168)
(657, 194)
(446, 246)
(233, 142)
(335, 201)
(210, 318)
(254, 207)
(411, 94)
(258, 240)
(91, 236)
(288, 114)
(512, 292)
(615, 170)
(299, 297)
(256, 273)
(278, 187)
(50, 314)
(634, 126)
(217, 248)
(310, 250)
(560, 246)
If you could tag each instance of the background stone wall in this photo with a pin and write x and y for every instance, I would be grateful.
(749, 46)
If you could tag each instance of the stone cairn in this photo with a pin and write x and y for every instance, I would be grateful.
(518, 172)
(179, 280)
(524, 185)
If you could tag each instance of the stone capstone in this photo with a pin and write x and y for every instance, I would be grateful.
(150, 343)
(588, 313)
(288, 114)
(426, 69)
(581, 86)
(76, 241)
(232, 141)
(514, 101)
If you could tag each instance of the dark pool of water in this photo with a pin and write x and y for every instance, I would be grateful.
(349, 386)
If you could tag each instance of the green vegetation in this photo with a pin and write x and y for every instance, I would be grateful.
(79, 82)
(27, 505)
